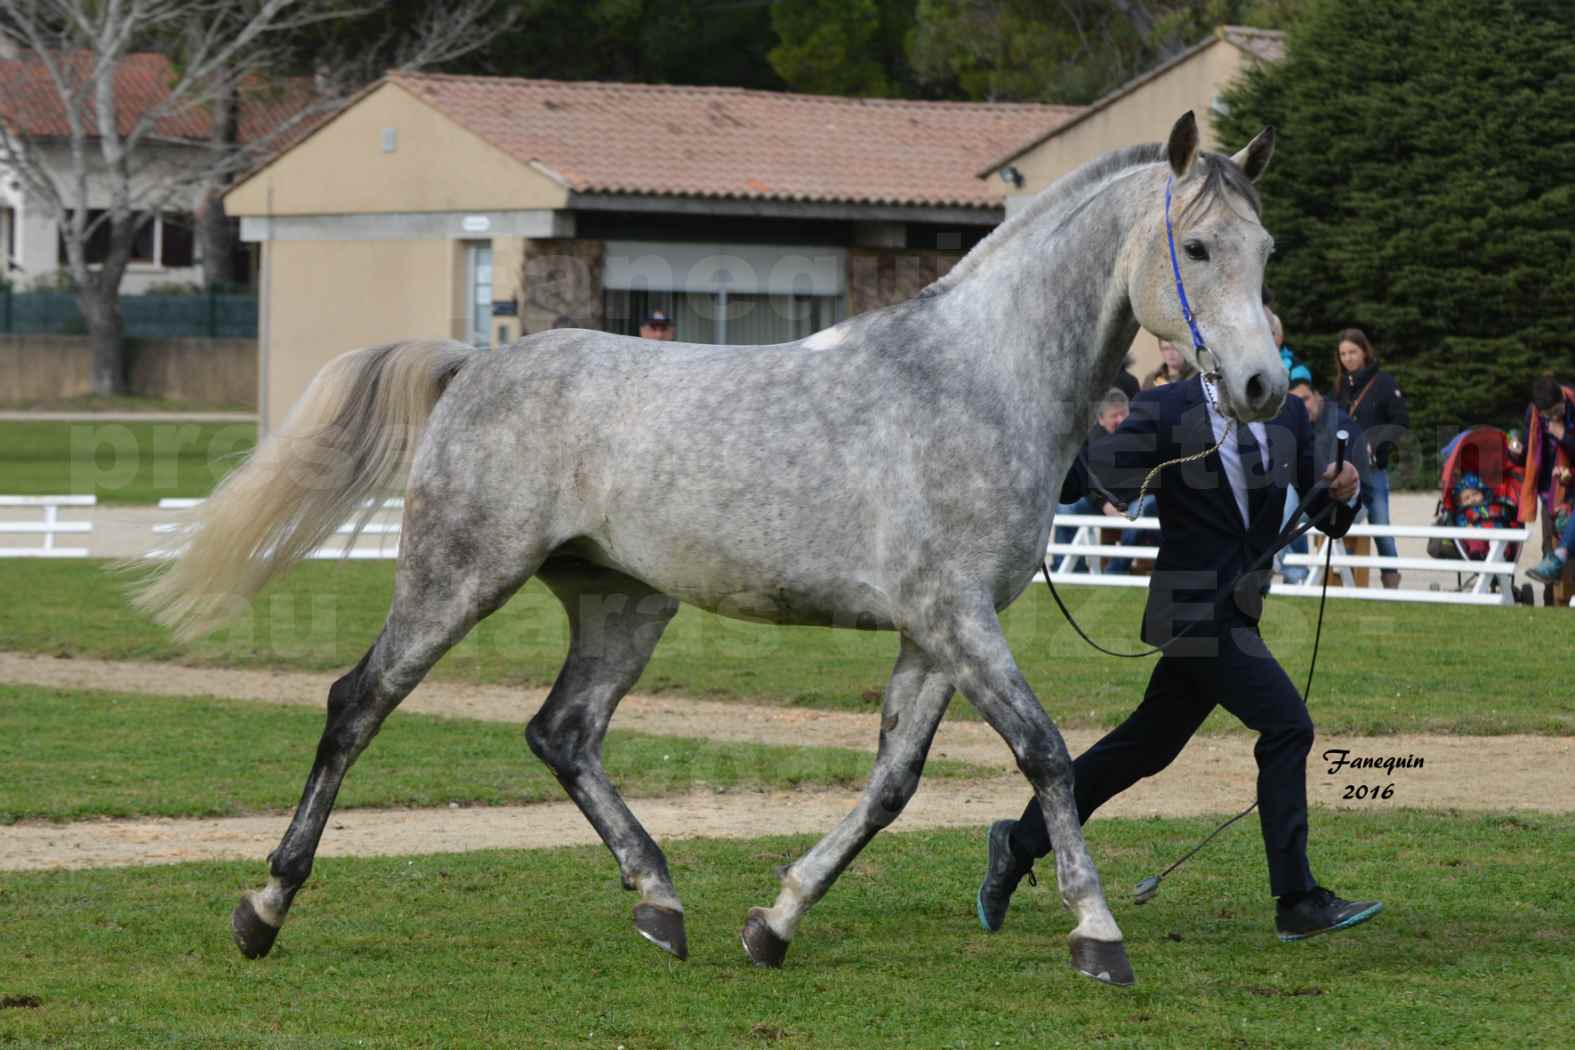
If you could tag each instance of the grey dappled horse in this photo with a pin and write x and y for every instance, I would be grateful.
(898, 471)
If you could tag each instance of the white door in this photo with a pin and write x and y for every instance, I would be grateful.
(478, 281)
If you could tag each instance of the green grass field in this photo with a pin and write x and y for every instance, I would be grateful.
(1476, 948)
(80, 755)
(138, 463)
(1383, 668)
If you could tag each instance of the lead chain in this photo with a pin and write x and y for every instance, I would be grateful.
(1208, 392)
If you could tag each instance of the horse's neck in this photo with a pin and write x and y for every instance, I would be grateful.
(1050, 312)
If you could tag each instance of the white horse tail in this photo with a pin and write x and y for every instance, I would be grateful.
(349, 440)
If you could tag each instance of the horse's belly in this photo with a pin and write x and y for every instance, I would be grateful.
(798, 608)
(743, 590)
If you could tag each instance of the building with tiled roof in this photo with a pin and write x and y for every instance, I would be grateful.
(485, 208)
(31, 108)
(30, 103)
(728, 143)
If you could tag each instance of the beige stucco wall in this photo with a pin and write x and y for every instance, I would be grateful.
(1144, 115)
(436, 165)
(328, 297)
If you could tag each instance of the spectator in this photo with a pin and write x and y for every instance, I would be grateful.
(657, 326)
(1113, 411)
(1111, 416)
(1476, 507)
(1297, 370)
(1173, 367)
(1548, 455)
(1551, 568)
(1126, 382)
(1327, 420)
(1373, 399)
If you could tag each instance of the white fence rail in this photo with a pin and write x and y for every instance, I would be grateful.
(48, 525)
(1084, 548)
(378, 540)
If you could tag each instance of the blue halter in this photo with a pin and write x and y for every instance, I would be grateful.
(1198, 345)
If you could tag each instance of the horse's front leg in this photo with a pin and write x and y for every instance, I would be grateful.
(916, 698)
(966, 641)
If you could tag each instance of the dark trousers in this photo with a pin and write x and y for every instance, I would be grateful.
(1244, 678)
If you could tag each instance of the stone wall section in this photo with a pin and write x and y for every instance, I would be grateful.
(880, 277)
(48, 367)
(561, 278)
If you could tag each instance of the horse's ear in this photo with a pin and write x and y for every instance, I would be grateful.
(1182, 149)
(1254, 156)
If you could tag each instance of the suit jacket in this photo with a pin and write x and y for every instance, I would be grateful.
(1204, 545)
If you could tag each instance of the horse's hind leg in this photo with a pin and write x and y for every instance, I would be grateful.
(967, 641)
(436, 601)
(916, 698)
(615, 622)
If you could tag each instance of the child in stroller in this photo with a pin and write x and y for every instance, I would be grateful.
(1478, 507)
(1478, 488)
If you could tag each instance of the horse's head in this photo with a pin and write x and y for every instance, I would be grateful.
(1209, 233)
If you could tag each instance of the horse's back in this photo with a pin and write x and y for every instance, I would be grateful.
(744, 480)
(792, 483)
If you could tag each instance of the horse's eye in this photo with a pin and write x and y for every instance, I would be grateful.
(1196, 251)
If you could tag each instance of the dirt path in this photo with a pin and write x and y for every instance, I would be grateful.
(1214, 774)
(356, 833)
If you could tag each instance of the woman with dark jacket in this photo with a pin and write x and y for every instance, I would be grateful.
(1373, 399)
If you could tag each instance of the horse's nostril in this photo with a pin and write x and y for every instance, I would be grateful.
(1257, 390)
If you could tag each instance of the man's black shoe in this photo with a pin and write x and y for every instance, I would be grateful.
(1003, 871)
(1322, 912)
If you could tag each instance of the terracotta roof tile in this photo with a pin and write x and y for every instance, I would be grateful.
(30, 103)
(1266, 45)
(729, 142)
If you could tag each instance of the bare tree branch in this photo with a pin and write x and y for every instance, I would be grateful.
(225, 56)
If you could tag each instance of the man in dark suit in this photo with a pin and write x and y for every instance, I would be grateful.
(1220, 515)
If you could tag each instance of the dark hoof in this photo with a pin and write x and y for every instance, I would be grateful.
(763, 947)
(1104, 961)
(252, 936)
(663, 927)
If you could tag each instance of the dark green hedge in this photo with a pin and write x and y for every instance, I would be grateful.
(1424, 190)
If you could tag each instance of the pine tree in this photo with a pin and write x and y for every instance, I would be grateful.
(1421, 190)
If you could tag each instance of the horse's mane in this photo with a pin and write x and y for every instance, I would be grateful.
(1068, 193)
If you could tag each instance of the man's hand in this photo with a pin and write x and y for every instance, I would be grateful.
(1342, 488)
(1111, 511)
(1561, 473)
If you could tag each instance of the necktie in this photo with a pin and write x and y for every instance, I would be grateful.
(1252, 471)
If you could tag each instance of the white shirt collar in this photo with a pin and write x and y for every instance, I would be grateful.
(1230, 457)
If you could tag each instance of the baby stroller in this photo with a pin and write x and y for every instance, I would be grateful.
(1479, 458)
